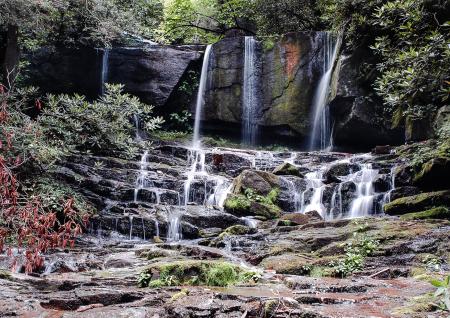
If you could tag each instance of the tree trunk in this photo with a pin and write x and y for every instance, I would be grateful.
(10, 55)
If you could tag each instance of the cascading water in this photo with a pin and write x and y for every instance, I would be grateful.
(201, 98)
(140, 181)
(365, 192)
(316, 186)
(321, 135)
(250, 97)
(105, 70)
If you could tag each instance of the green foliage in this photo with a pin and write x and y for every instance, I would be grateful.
(180, 121)
(75, 22)
(442, 292)
(237, 203)
(197, 273)
(355, 252)
(171, 136)
(72, 123)
(409, 39)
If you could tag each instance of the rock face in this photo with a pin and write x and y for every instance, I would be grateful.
(357, 115)
(152, 72)
(289, 67)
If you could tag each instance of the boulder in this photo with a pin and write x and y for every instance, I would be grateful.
(287, 169)
(259, 181)
(300, 219)
(418, 203)
(434, 175)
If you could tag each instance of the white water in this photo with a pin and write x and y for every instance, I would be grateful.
(314, 184)
(201, 98)
(105, 70)
(137, 125)
(140, 181)
(365, 192)
(174, 232)
(250, 98)
(321, 135)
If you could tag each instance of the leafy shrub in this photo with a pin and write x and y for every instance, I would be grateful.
(72, 123)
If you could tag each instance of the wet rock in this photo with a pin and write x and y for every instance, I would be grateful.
(229, 163)
(418, 203)
(382, 184)
(287, 169)
(435, 175)
(337, 170)
(404, 176)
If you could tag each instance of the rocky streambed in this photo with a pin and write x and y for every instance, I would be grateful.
(286, 221)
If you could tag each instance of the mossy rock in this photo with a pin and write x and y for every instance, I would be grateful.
(5, 275)
(418, 203)
(269, 211)
(287, 169)
(291, 264)
(435, 213)
(237, 204)
(196, 273)
(435, 174)
(237, 230)
(253, 205)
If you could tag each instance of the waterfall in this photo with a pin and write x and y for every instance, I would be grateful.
(105, 70)
(250, 98)
(201, 97)
(137, 125)
(321, 135)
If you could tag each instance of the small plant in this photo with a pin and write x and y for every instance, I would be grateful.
(432, 263)
(355, 253)
(442, 292)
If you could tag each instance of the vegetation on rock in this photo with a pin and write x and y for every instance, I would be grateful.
(195, 273)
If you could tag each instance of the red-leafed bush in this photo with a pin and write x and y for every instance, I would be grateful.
(26, 223)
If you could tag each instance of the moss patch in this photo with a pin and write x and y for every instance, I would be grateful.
(417, 203)
(195, 273)
(434, 213)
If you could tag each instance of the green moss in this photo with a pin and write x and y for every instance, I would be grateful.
(196, 273)
(417, 203)
(416, 305)
(236, 230)
(5, 275)
(434, 213)
(284, 223)
(183, 293)
(270, 307)
(237, 203)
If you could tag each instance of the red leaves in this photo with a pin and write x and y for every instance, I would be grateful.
(38, 104)
(25, 220)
